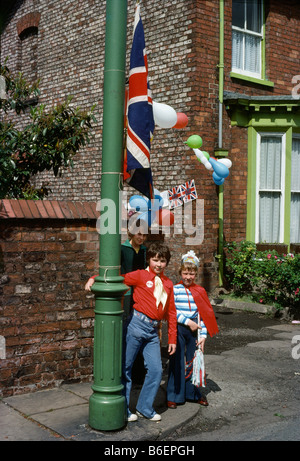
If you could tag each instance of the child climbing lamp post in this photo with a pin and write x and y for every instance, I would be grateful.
(107, 404)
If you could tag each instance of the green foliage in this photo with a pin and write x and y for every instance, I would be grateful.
(266, 276)
(48, 142)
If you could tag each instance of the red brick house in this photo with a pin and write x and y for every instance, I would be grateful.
(232, 66)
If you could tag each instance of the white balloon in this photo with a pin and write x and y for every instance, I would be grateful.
(198, 153)
(207, 165)
(200, 156)
(225, 162)
(164, 116)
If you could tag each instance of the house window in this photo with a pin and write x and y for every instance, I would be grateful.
(247, 37)
(295, 192)
(277, 216)
(270, 183)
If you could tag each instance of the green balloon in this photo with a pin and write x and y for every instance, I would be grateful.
(206, 154)
(194, 141)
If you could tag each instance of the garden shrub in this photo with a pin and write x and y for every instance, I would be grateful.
(264, 276)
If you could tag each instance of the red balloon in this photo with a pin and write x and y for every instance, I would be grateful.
(182, 120)
(165, 217)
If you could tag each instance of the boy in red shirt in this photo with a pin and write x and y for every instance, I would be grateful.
(153, 301)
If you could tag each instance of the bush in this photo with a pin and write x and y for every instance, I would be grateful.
(266, 276)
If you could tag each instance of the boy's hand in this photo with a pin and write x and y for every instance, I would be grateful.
(88, 284)
(172, 349)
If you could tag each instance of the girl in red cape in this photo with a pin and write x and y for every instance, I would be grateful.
(191, 303)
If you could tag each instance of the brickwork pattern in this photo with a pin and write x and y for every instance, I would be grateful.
(48, 251)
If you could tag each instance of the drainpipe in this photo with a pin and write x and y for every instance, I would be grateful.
(220, 151)
(107, 404)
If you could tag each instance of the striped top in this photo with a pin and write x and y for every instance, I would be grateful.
(186, 308)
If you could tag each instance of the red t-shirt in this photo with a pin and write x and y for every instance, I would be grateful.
(145, 302)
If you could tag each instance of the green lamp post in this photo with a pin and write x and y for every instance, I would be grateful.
(107, 404)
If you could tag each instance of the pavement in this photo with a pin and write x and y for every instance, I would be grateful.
(235, 378)
(63, 413)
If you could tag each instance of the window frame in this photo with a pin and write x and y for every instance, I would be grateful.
(260, 135)
(289, 133)
(295, 135)
(246, 75)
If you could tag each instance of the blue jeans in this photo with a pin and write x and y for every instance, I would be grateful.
(143, 336)
(179, 388)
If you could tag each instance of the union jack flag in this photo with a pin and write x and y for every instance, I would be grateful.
(174, 196)
(188, 191)
(140, 121)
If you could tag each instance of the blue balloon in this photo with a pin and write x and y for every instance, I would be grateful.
(139, 203)
(217, 180)
(219, 168)
(148, 217)
(157, 203)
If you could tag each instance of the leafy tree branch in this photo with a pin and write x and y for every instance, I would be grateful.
(48, 142)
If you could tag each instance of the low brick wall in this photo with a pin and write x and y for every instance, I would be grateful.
(48, 249)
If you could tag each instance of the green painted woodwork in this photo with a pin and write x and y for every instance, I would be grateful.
(251, 179)
(251, 185)
(247, 78)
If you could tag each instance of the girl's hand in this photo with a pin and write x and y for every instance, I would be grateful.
(193, 325)
(201, 343)
(172, 349)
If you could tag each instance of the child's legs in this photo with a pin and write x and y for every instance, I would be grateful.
(176, 379)
(153, 365)
(133, 343)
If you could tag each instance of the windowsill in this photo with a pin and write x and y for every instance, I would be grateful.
(252, 79)
(281, 248)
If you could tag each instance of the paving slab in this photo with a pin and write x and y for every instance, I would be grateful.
(44, 401)
(14, 426)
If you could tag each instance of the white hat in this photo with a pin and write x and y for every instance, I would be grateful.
(190, 257)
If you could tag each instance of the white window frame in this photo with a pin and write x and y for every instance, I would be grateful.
(248, 32)
(294, 136)
(260, 135)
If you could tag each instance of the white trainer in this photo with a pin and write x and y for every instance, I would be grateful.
(156, 417)
(132, 417)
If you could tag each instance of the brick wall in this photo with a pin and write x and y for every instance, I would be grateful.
(70, 60)
(48, 250)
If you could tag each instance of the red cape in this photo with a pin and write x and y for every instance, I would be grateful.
(205, 309)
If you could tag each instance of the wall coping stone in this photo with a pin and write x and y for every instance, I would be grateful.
(47, 209)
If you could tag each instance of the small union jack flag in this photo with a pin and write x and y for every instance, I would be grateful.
(188, 191)
(174, 196)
